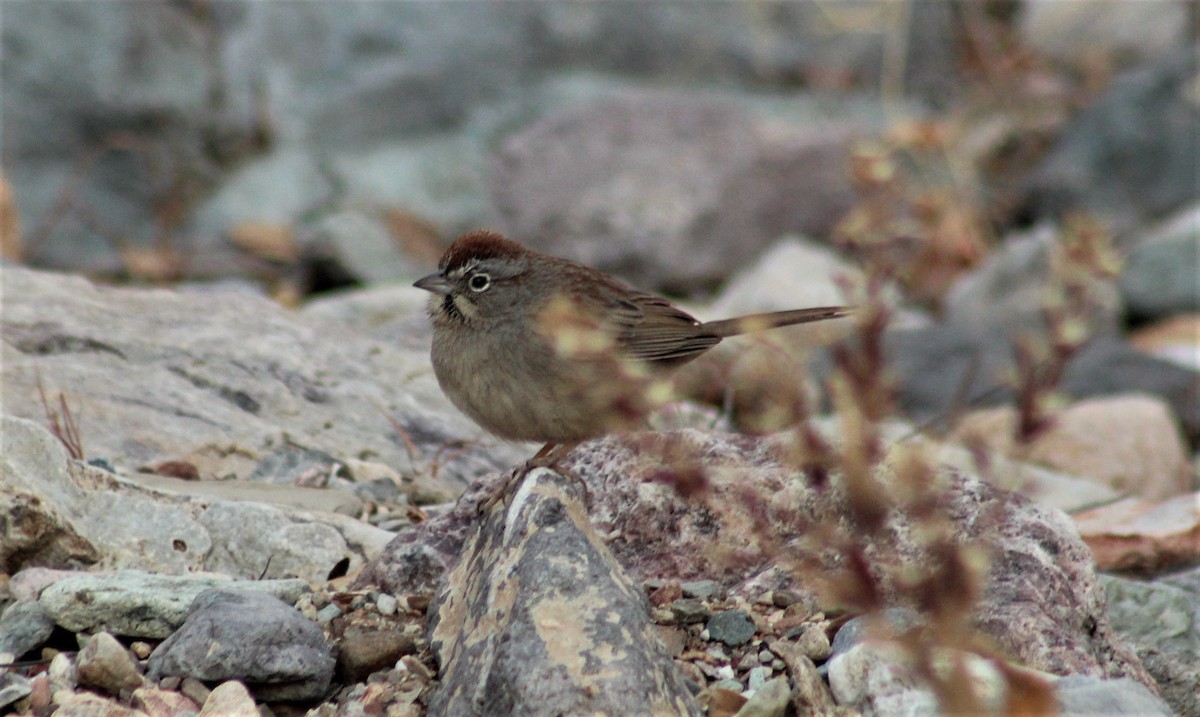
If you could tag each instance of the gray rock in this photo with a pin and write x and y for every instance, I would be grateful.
(73, 513)
(1085, 696)
(252, 637)
(288, 464)
(393, 313)
(1122, 32)
(689, 610)
(24, 626)
(1160, 273)
(701, 589)
(12, 688)
(875, 683)
(260, 540)
(138, 604)
(1108, 367)
(1007, 293)
(361, 243)
(276, 188)
(104, 663)
(1155, 614)
(1161, 620)
(756, 678)
(1177, 675)
(1129, 157)
(791, 272)
(732, 627)
(305, 94)
(668, 190)
(856, 629)
(221, 381)
(538, 617)
(1187, 580)
(386, 604)
(98, 98)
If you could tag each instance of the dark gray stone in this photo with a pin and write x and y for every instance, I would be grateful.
(689, 610)
(208, 88)
(732, 627)
(252, 637)
(1162, 273)
(1007, 293)
(139, 604)
(24, 627)
(1129, 157)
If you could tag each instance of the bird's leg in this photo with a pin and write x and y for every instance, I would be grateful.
(550, 454)
(548, 457)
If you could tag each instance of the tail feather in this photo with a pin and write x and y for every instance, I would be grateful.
(774, 319)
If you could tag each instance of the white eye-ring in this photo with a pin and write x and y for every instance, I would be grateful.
(479, 282)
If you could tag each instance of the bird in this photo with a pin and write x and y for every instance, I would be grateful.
(533, 347)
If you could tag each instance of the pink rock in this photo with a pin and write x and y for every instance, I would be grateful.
(1130, 443)
(1137, 534)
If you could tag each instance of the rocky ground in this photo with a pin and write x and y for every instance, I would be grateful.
(239, 493)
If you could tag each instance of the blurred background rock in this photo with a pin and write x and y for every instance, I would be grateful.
(333, 143)
(295, 148)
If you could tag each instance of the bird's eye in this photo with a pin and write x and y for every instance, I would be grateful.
(479, 282)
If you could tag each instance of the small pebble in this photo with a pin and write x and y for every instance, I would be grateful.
(731, 685)
(141, 649)
(783, 598)
(170, 683)
(386, 604)
(328, 613)
(62, 673)
(758, 677)
(699, 588)
(748, 661)
(765, 656)
(689, 610)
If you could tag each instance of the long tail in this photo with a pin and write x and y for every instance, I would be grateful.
(774, 319)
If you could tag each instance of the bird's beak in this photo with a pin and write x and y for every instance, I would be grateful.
(435, 283)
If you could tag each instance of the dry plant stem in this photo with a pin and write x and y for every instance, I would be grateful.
(1083, 258)
(62, 422)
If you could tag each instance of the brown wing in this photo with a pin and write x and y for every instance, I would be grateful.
(652, 329)
(646, 327)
